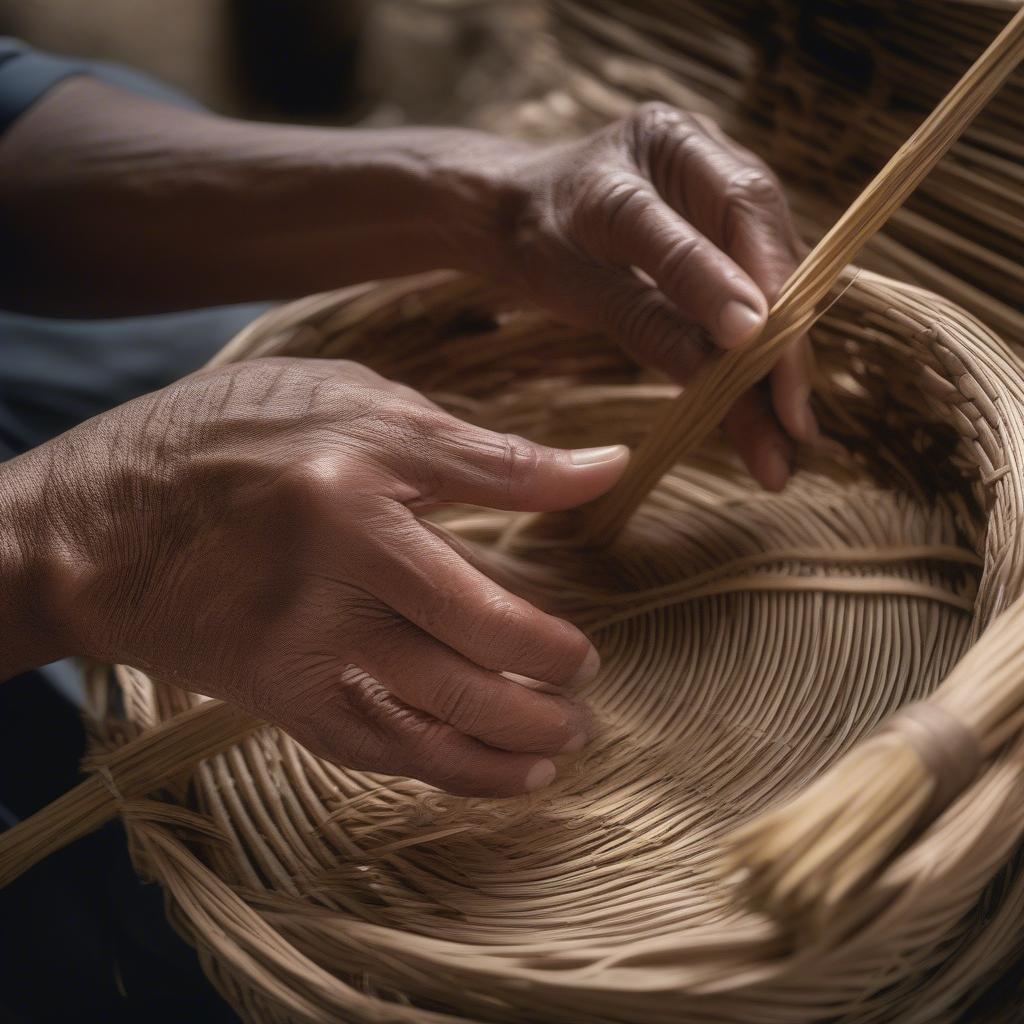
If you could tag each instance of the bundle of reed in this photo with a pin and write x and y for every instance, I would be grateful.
(812, 700)
(825, 92)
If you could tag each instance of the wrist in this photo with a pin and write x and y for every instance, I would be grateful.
(35, 625)
(476, 191)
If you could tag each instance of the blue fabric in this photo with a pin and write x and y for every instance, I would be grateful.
(56, 373)
(26, 75)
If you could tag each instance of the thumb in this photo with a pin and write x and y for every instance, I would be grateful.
(462, 463)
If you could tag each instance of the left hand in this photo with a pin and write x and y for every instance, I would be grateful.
(706, 221)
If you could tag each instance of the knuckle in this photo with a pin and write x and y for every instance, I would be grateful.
(756, 186)
(439, 608)
(656, 116)
(412, 421)
(328, 716)
(518, 455)
(519, 459)
(428, 754)
(309, 478)
(651, 335)
(459, 702)
(649, 126)
(679, 258)
(385, 734)
(610, 200)
(639, 325)
(499, 621)
(657, 123)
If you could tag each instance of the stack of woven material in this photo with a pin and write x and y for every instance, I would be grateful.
(826, 92)
(752, 643)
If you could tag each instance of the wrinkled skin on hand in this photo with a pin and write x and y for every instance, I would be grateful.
(674, 239)
(251, 532)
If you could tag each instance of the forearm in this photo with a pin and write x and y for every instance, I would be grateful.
(31, 573)
(116, 204)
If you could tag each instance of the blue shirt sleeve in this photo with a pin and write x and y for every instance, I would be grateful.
(27, 74)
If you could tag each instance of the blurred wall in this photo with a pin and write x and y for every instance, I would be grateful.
(330, 61)
(185, 42)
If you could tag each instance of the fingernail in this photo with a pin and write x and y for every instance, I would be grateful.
(592, 456)
(576, 744)
(588, 670)
(540, 775)
(738, 323)
(776, 470)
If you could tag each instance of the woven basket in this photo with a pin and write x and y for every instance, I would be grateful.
(748, 641)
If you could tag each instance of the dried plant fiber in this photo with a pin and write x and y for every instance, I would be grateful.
(806, 801)
(825, 92)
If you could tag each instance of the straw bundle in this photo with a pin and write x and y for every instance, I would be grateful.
(811, 700)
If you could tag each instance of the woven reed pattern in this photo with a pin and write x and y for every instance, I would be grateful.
(751, 642)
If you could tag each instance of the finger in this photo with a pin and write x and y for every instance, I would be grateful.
(757, 436)
(788, 235)
(728, 193)
(648, 327)
(417, 574)
(731, 195)
(791, 391)
(643, 321)
(704, 283)
(760, 235)
(444, 459)
(353, 720)
(764, 241)
(433, 678)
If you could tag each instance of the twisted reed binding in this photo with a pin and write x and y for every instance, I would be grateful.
(754, 646)
(946, 748)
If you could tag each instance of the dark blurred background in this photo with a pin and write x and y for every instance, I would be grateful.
(325, 61)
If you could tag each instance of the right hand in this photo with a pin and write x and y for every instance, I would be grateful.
(250, 533)
(567, 225)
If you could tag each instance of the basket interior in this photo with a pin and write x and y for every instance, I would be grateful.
(748, 640)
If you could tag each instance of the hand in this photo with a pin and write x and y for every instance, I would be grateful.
(250, 532)
(703, 219)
